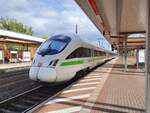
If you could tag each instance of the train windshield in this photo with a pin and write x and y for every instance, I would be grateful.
(54, 45)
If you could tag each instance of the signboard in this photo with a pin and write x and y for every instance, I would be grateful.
(1, 54)
(141, 56)
(26, 56)
(13, 52)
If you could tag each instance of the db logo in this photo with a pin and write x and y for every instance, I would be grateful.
(39, 64)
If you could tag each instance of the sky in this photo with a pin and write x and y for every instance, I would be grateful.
(47, 17)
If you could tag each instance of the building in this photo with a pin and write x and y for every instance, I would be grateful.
(17, 47)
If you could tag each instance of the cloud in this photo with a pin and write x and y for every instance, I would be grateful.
(50, 16)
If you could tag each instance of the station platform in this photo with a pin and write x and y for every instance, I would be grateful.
(14, 65)
(108, 89)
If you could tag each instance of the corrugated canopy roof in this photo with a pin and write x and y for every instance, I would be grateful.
(116, 18)
(20, 36)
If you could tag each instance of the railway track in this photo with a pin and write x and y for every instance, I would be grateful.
(28, 100)
(13, 83)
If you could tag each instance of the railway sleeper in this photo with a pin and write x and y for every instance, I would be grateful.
(42, 94)
(20, 106)
(29, 101)
(3, 110)
(36, 97)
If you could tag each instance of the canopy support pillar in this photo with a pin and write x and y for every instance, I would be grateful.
(125, 55)
(137, 57)
(147, 61)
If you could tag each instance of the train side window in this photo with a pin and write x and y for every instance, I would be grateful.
(80, 53)
(99, 53)
(86, 52)
(75, 54)
(96, 53)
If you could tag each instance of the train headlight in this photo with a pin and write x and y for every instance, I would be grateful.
(53, 62)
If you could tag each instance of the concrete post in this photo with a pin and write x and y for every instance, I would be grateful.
(125, 54)
(3, 57)
(137, 57)
(147, 60)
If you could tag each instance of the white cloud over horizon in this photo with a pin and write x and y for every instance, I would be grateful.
(51, 16)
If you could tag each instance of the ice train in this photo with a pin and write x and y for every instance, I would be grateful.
(60, 57)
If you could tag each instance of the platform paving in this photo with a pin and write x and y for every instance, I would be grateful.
(123, 92)
(14, 65)
(108, 89)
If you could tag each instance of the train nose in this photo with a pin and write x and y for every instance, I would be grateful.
(47, 74)
(43, 74)
(33, 73)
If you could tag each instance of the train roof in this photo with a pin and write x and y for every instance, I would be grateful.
(88, 44)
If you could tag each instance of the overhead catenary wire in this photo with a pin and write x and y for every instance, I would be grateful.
(70, 13)
(84, 25)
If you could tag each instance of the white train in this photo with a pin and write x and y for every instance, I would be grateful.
(60, 57)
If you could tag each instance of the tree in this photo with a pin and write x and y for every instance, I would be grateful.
(12, 25)
(45, 37)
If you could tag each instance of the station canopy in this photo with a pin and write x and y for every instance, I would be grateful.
(9, 36)
(117, 19)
